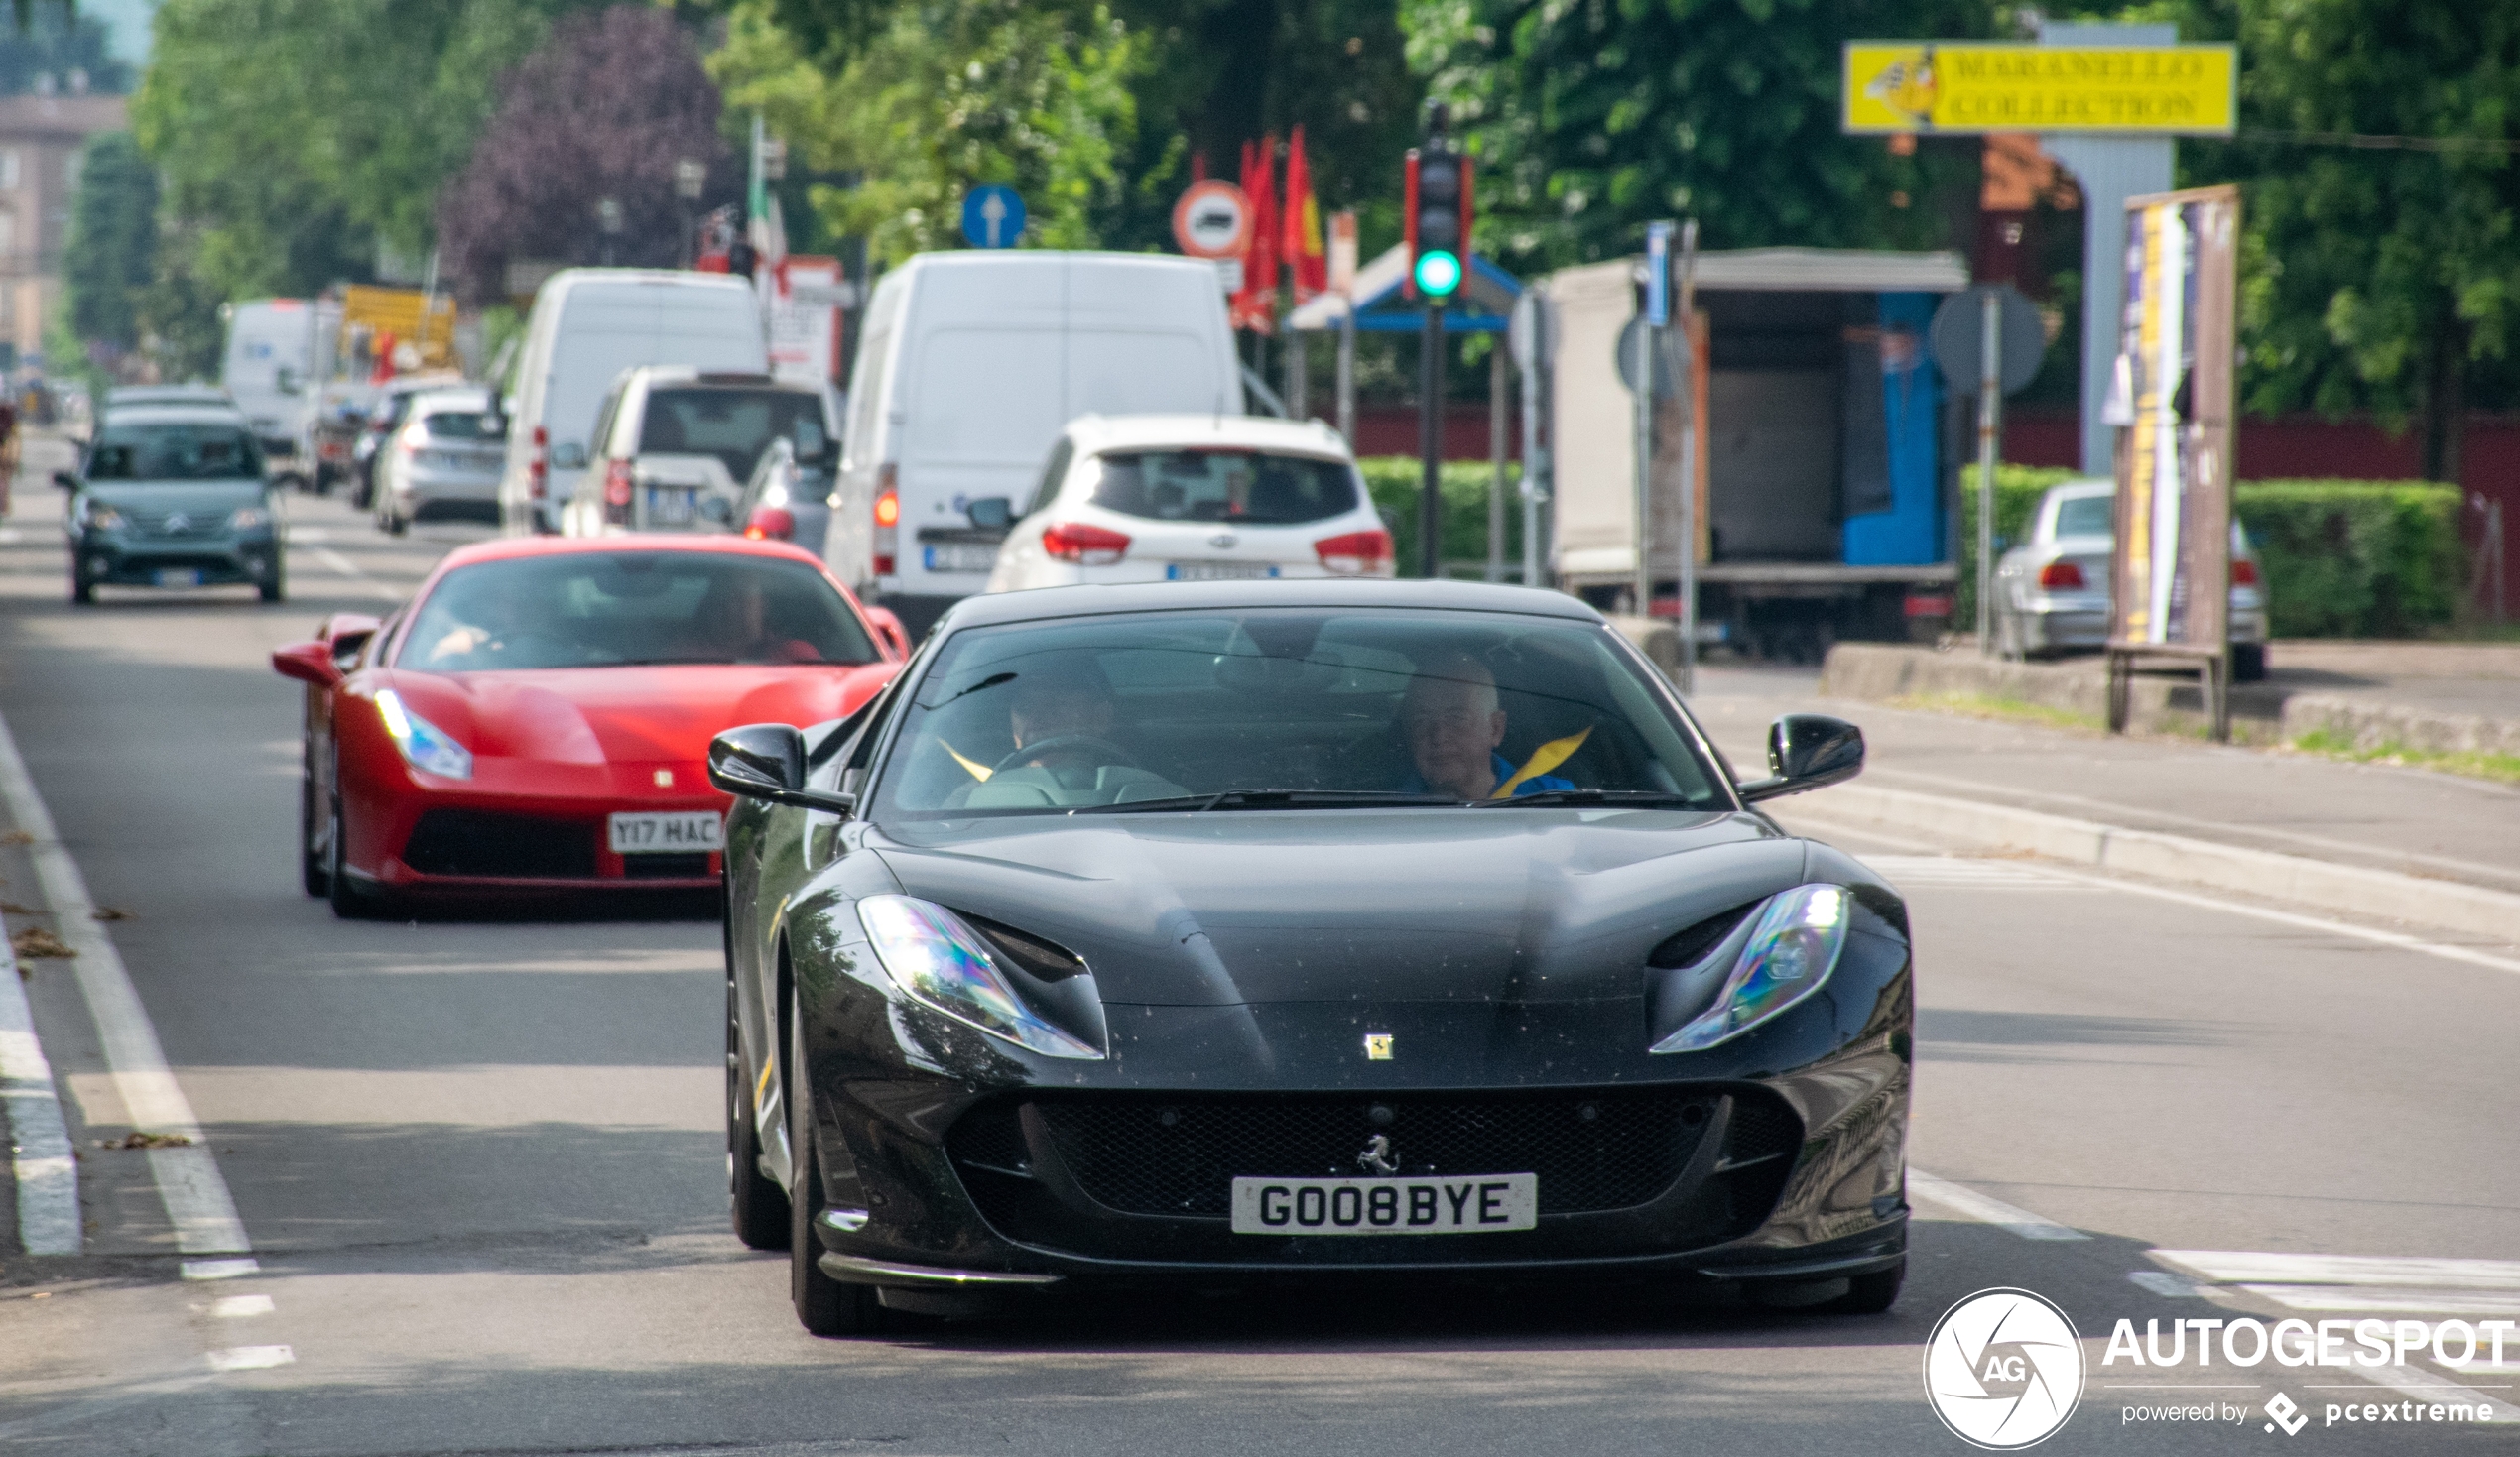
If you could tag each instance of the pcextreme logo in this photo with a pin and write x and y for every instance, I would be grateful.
(2003, 1369)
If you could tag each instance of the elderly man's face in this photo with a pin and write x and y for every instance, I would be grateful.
(1453, 729)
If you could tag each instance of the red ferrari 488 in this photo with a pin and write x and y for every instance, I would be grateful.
(536, 717)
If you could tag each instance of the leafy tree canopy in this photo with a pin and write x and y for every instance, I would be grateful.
(113, 241)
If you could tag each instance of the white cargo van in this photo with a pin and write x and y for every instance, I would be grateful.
(971, 364)
(588, 324)
(265, 370)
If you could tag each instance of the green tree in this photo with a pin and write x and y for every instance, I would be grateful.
(1592, 117)
(938, 98)
(113, 241)
(2382, 278)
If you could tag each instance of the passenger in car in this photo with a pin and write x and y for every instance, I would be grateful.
(1455, 722)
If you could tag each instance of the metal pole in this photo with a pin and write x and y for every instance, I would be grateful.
(1641, 590)
(1294, 371)
(1531, 487)
(1685, 380)
(1346, 386)
(1430, 443)
(1496, 457)
(1990, 405)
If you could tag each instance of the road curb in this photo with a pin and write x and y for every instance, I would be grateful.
(46, 1172)
(2388, 895)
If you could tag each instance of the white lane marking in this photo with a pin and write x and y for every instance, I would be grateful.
(46, 1173)
(2163, 1283)
(2423, 1300)
(1986, 1209)
(1950, 870)
(251, 1358)
(197, 1198)
(2396, 939)
(2235, 1266)
(308, 534)
(2426, 1387)
(234, 1307)
(338, 562)
(10, 535)
(219, 1269)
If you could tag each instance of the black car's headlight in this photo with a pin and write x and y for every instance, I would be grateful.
(1791, 951)
(941, 963)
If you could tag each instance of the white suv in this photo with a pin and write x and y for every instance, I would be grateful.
(1150, 498)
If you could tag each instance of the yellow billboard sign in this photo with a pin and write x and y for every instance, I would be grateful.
(1978, 86)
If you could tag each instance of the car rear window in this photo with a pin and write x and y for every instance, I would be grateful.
(733, 425)
(464, 425)
(174, 452)
(2084, 516)
(612, 608)
(1247, 486)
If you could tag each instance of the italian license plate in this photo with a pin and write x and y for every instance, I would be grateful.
(1219, 571)
(644, 834)
(669, 506)
(179, 577)
(1471, 1204)
(962, 558)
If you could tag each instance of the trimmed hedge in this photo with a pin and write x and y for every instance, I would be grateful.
(1393, 482)
(2343, 559)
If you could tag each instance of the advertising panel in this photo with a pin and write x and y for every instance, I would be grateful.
(1974, 86)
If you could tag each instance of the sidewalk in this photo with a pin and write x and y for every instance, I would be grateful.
(2405, 821)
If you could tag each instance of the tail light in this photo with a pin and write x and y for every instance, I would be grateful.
(537, 466)
(2243, 573)
(2061, 576)
(1087, 546)
(887, 521)
(617, 483)
(1356, 553)
(771, 524)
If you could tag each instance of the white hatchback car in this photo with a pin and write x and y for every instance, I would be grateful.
(1150, 498)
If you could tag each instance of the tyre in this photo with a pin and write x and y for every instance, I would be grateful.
(396, 524)
(314, 871)
(825, 1306)
(1870, 1295)
(275, 590)
(760, 1206)
(2248, 662)
(82, 591)
(349, 901)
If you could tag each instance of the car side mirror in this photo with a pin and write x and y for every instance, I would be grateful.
(568, 455)
(888, 626)
(65, 480)
(1807, 750)
(766, 761)
(308, 663)
(991, 513)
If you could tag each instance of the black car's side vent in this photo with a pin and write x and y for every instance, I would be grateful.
(1687, 948)
(1042, 959)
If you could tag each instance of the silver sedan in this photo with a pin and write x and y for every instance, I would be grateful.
(2052, 590)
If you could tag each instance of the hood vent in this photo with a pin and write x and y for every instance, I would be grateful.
(1042, 959)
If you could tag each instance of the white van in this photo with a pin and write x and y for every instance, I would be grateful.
(971, 364)
(588, 324)
(266, 368)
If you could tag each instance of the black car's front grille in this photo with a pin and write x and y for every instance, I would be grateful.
(478, 842)
(1180, 1155)
(675, 867)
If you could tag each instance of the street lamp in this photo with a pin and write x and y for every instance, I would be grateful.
(690, 179)
(608, 219)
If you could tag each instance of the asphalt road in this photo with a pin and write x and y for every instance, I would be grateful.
(481, 1168)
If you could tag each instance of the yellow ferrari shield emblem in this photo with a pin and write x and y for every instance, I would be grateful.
(1378, 1046)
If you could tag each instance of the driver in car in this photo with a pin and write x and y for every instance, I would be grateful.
(1067, 698)
(1454, 722)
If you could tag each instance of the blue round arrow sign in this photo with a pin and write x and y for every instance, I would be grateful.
(992, 217)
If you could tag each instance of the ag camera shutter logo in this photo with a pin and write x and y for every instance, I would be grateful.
(2003, 1370)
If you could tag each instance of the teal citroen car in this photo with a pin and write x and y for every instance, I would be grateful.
(174, 496)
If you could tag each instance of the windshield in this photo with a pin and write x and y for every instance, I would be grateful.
(735, 425)
(1244, 486)
(606, 609)
(2084, 516)
(1339, 706)
(174, 452)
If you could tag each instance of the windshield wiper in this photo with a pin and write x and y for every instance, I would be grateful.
(1274, 800)
(1642, 799)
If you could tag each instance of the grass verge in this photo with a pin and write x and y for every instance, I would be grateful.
(2500, 768)
(1995, 706)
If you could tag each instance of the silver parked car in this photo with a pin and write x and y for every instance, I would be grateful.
(2052, 590)
(789, 498)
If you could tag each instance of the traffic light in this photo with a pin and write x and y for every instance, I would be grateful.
(1436, 213)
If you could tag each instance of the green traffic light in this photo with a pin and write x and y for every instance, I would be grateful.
(1438, 273)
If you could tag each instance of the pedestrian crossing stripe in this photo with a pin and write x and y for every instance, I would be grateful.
(2360, 1284)
(1910, 871)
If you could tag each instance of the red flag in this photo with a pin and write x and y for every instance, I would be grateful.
(1302, 244)
(1256, 306)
